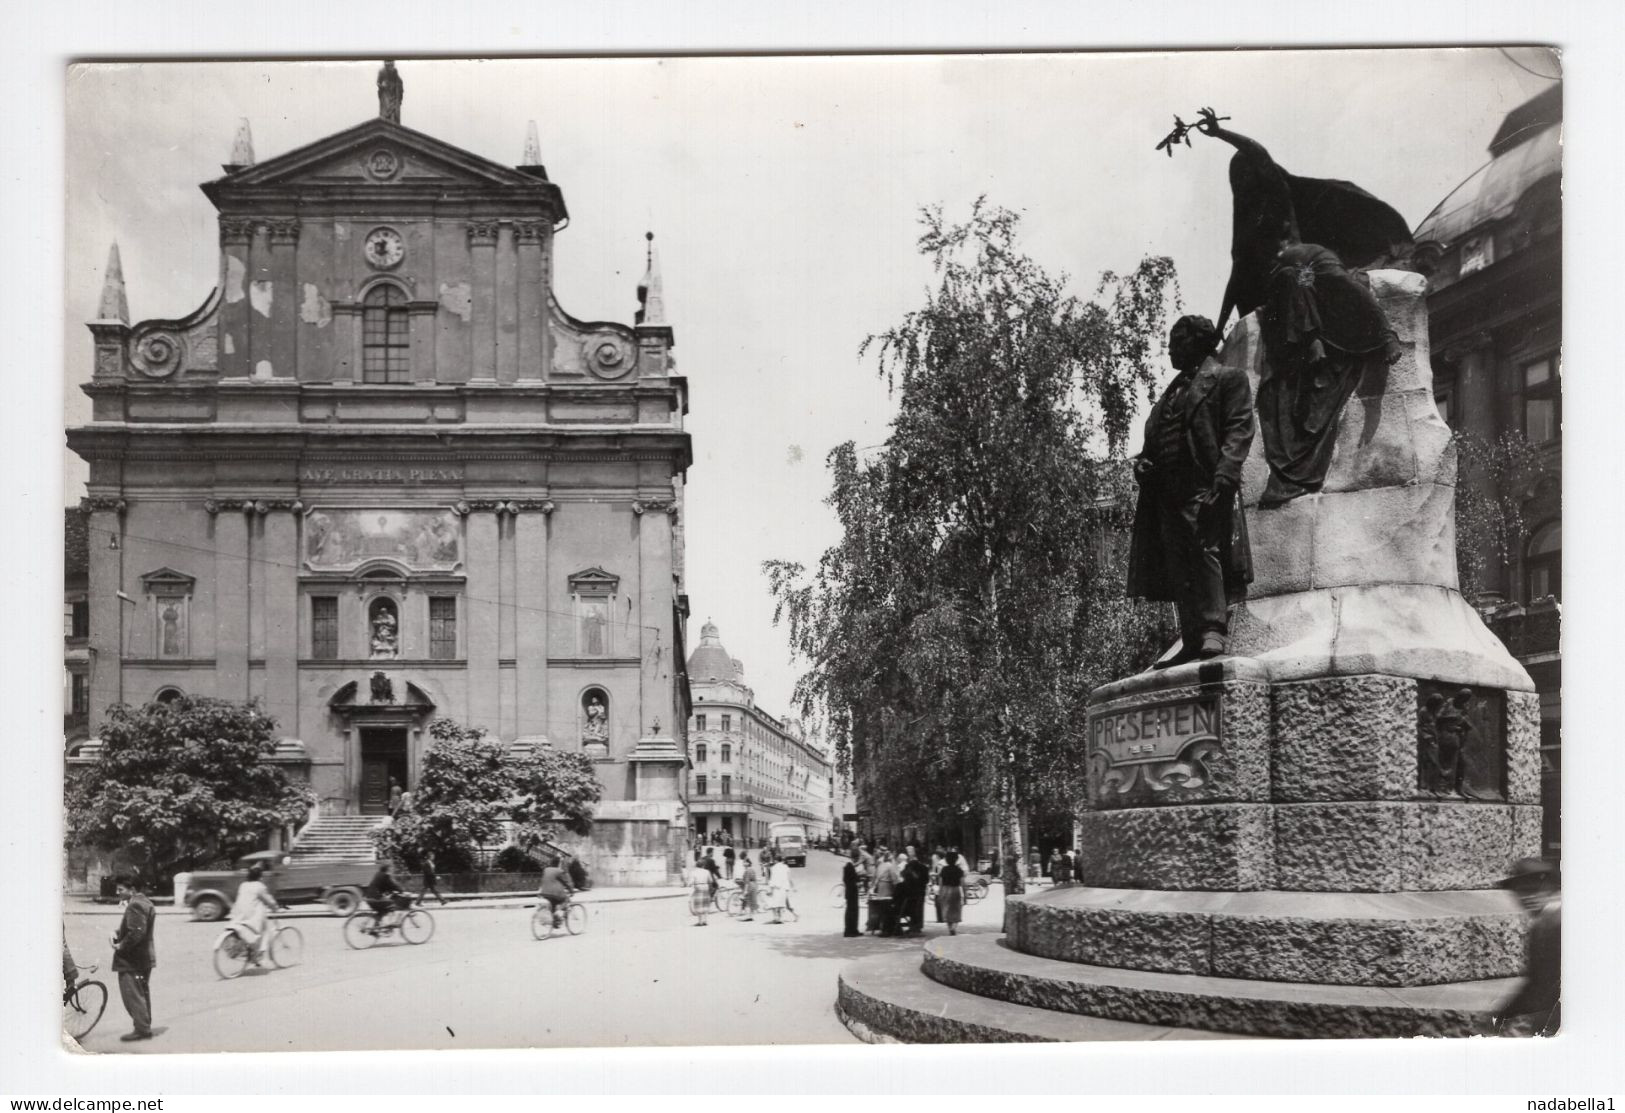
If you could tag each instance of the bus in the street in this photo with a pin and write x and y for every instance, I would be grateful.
(790, 840)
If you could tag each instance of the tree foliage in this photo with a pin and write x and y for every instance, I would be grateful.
(469, 789)
(181, 785)
(1495, 480)
(975, 597)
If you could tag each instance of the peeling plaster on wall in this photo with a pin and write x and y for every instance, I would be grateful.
(259, 296)
(231, 345)
(459, 299)
(316, 310)
(263, 370)
(236, 271)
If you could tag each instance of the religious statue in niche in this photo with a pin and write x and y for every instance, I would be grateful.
(383, 689)
(595, 725)
(1294, 243)
(385, 630)
(171, 618)
(594, 626)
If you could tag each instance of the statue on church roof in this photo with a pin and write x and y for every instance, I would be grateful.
(390, 93)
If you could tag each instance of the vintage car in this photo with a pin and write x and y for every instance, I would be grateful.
(210, 893)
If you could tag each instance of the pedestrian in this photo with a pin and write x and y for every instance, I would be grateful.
(1061, 864)
(883, 896)
(394, 798)
(778, 888)
(1536, 1009)
(709, 863)
(849, 883)
(431, 878)
(747, 890)
(916, 876)
(938, 860)
(728, 860)
(951, 894)
(134, 956)
(702, 887)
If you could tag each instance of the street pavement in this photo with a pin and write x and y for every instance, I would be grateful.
(641, 975)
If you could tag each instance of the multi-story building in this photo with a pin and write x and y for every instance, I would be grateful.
(749, 769)
(75, 628)
(380, 476)
(1492, 251)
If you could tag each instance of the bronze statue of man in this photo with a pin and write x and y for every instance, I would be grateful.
(1190, 539)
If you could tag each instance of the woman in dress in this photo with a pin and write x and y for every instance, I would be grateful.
(779, 886)
(701, 887)
(883, 898)
(747, 890)
(951, 896)
(250, 912)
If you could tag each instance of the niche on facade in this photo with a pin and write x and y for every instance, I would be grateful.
(595, 722)
(169, 598)
(593, 592)
(383, 628)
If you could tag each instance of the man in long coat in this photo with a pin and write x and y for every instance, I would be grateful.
(1190, 538)
(134, 956)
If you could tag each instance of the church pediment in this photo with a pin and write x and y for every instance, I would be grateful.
(379, 154)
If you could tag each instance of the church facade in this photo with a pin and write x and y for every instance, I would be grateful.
(380, 476)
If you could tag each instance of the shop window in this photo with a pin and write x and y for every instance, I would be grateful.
(386, 345)
(443, 627)
(324, 627)
(1542, 402)
(1543, 563)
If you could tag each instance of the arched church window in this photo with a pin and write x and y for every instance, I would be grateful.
(595, 722)
(384, 627)
(1543, 563)
(386, 344)
(168, 695)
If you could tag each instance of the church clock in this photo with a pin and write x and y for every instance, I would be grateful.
(384, 248)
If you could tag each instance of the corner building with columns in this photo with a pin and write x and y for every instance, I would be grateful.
(380, 476)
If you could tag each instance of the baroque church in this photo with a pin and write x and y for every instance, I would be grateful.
(380, 476)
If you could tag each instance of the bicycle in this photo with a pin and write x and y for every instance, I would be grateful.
(544, 922)
(233, 953)
(837, 893)
(83, 1004)
(364, 927)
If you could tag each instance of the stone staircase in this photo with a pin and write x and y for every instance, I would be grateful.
(335, 838)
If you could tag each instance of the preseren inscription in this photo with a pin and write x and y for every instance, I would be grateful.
(1154, 732)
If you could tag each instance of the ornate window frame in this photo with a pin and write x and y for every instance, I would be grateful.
(590, 589)
(169, 599)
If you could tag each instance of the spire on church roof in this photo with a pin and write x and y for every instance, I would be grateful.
(533, 146)
(113, 305)
(651, 295)
(242, 147)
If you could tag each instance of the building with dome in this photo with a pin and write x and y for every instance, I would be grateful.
(749, 769)
(380, 475)
(1492, 252)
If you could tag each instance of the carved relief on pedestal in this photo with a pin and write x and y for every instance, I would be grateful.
(1461, 741)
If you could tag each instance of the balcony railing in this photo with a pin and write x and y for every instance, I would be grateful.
(1529, 631)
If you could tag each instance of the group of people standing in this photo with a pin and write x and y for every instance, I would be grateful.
(774, 897)
(898, 885)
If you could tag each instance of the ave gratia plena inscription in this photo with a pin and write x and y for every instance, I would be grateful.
(452, 474)
(1154, 732)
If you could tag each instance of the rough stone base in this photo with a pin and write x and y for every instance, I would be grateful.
(1402, 939)
(982, 965)
(1338, 847)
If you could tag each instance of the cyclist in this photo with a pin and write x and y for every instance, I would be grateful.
(70, 969)
(249, 913)
(556, 887)
(384, 894)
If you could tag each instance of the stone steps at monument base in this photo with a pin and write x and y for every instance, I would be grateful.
(984, 965)
(887, 999)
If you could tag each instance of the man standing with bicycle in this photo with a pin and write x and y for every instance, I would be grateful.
(134, 956)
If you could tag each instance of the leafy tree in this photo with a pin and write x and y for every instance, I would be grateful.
(469, 789)
(181, 785)
(976, 595)
(1495, 478)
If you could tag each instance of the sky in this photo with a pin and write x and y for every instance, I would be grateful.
(784, 194)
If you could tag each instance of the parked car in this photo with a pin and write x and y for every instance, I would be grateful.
(210, 893)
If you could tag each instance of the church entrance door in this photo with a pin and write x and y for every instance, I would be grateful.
(383, 759)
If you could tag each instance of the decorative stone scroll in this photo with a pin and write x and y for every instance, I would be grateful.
(1158, 747)
(529, 231)
(252, 506)
(158, 353)
(236, 229)
(483, 233)
(655, 506)
(465, 507)
(283, 230)
(93, 503)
